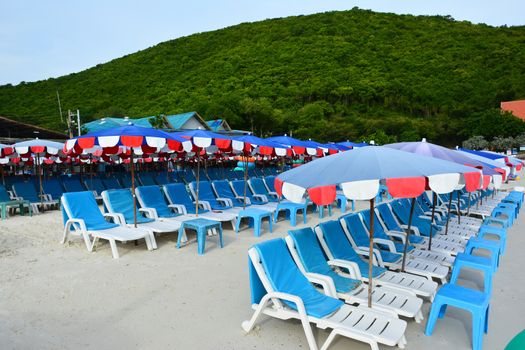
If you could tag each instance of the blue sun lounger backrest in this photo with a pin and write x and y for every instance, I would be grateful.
(258, 186)
(356, 229)
(72, 184)
(94, 184)
(314, 261)
(284, 276)
(27, 191)
(125, 180)
(111, 183)
(206, 194)
(270, 180)
(341, 248)
(152, 197)
(147, 179)
(223, 189)
(121, 201)
(388, 218)
(53, 188)
(379, 232)
(82, 205)
(177, 194)
(162, 178)
(4, 196)
(238, 186)
(403, 213)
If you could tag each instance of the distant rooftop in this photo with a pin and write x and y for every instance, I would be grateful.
(515, 107)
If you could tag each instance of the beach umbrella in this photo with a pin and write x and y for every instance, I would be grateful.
(503, 169)
(428, 149)
(38, 149)
(360, 172)
(203, 141)
(511, 162)
(298, 147)
(126, 142)
(350, 144)
(256, 145)
(5, 152)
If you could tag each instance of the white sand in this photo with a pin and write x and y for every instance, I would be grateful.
(62, 297)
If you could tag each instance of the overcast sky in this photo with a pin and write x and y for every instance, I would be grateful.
(43, 39)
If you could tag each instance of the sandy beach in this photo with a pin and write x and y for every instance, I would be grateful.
(55, 296)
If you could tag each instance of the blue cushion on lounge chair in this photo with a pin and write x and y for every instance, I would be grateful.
(379, 232)
(82, 205)
(285, 277)
(314, 261)
(206, 194)
(121, 201)
(152, 197)
(177, 194)
(342, 249)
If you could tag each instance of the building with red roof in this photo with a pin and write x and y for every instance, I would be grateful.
(515, 107)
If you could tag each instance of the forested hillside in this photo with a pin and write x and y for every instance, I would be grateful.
(330, 76)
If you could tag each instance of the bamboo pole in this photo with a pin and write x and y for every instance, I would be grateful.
(434, 197)
(371, 253)
(197, 186)
(133, 191)
(408, 234)
(448, 213)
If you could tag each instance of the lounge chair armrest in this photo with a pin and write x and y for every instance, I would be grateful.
(178, 208)
(225, 201)
(377, 258)
(400, 235)
(273, 194)
(12, 195)
(352, 267)
(386, 242)
(241, 199)
(204, 205)
(79, 222)
(117, 218)
(414, 230)
(261, 197)
(149, 212)
(424, 217)
(291, 298)
(326, 282)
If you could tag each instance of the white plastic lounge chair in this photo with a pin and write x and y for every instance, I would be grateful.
(356, 234)
(341, 253)
(280, 290)
(120, 203)
(82, 216)
(308, 256)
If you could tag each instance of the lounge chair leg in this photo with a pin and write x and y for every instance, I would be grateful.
(247, 325)
(329, 340)
(64, 238)
(114, 250)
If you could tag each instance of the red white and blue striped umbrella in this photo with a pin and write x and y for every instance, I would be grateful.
(360, 172)
(134, 140)
(298, 146)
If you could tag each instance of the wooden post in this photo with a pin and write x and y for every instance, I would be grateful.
(197, 186)
(459, 210)
(408, 234)
(434, 199)
(245, 179)
(133, 191)
(371, 253)
(448, 214)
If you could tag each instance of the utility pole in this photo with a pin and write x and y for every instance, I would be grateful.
(59, 107)
(78, 121)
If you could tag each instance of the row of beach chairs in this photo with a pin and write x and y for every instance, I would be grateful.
(317, 275)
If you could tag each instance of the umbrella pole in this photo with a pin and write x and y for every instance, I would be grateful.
(3, 176)
(197, 187)
(448, 214)
(245, 180)
(408, 234)
(38, 167)
(133, 191)
(434, 195)
(468, 208)
(371, 253)
(459, 211)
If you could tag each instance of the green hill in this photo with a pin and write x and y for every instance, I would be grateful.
(329, 76)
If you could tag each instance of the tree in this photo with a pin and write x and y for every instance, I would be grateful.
(476, 143)
(502, 143)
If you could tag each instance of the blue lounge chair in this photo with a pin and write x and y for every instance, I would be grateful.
(258, 187)
(337, 247)
(238, 189)
(178, 196)
(27, 191)
(120, 202)
(111, 183)
(95, 185)
(82, 216)
(280, 290)
(309, 257)
(207, 197)
(152, 203)
(72, 184)
(147, 179)
(357, 235)
(223, 189)
(8, 204)
(52, 188)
